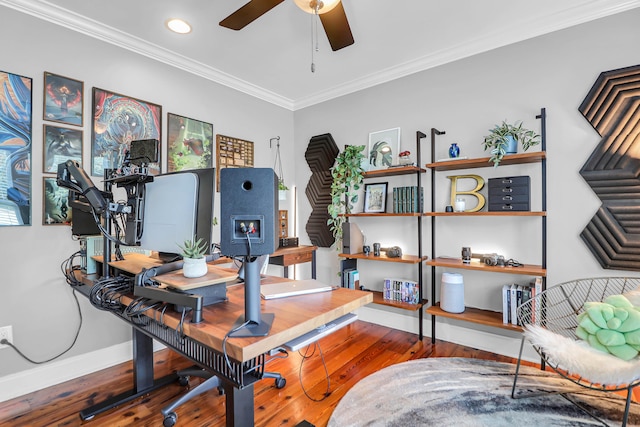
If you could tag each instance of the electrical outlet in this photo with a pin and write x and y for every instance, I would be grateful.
(6, 333)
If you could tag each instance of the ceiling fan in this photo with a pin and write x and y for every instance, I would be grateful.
(330, 12)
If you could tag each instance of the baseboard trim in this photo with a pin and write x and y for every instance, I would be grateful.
(41, 377)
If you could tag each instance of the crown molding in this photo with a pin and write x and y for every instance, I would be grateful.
(507, 35)
(89, 27)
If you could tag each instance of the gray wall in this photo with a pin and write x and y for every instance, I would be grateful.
(466, 98)
(34, 297)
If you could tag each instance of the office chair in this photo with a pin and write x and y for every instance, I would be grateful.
(211, 381)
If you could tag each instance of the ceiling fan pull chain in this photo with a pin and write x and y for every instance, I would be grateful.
(314, 42)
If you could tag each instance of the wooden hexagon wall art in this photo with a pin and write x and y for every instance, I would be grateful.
(613, 169)
(320, 156)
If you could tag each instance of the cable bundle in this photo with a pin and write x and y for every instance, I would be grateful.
(106, 292)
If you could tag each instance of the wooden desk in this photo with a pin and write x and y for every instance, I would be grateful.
(202, 342)
(294, 255)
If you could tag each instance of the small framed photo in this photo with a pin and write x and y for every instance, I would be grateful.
(375, 197)
(384, 147)
(63, 99)
(60, 144)
(56, 203)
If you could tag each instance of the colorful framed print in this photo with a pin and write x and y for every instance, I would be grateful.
(384, 147)
(189, 143)
(118, 120)
(60, 144)
(15, 149)
(375, 197)
(63, 100)
(56, 209)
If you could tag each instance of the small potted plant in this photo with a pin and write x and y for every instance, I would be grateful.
(282, 190)
(503, 139)
(195, 264)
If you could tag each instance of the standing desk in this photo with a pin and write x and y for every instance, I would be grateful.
(202, 342)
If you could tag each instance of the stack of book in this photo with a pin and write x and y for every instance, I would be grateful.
(407, 199)
(350, 278)
(514, 295)
(401, 291)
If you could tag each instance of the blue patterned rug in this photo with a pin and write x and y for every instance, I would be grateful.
(470, 392)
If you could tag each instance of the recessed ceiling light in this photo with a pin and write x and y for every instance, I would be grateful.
(179, 26)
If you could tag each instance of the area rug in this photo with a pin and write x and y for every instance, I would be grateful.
(470, 392)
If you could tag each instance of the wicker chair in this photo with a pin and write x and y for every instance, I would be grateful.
(550, 320)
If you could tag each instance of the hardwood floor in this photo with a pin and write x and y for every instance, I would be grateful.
(350, 354)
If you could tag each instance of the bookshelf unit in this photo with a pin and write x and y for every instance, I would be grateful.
(475, 315)
(351, 260)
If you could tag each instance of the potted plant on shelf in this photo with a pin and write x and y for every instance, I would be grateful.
(347, 176)
(195, 264)
(503, 139)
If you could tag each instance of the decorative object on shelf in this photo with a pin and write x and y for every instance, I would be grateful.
(63, 99)
(475, 192)
(195, 264)
(118, 120)
(459, 205)
(189, 143)
(618, 124)
(375, 197)
(393, 251)
(376, 249)
(503, 139)
(347, 179)
(366, 249)
(448, 208)
(404, 158)
(454, 151)
(59, 145)
(320, 155)
(232, 153)
(466, 254)
(509, 194)
(452, 293)
(383, 146)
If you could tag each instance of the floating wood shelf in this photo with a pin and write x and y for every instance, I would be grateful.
(475, 315)
(483, 162)
(383, 214)
(526, 269)
(399, 170)
(378, 299)
(496, 213)
(406, 259)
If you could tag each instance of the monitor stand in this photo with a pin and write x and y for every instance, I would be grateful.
(258, 324)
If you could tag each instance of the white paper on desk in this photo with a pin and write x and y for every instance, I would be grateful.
(293, 288)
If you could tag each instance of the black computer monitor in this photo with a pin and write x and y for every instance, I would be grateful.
(178, 206)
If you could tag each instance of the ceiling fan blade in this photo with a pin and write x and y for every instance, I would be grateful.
(248, 13)
(337, 27)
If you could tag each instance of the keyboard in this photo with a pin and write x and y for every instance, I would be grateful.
(321, 331)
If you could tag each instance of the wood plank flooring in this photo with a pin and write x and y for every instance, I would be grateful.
(350, 354)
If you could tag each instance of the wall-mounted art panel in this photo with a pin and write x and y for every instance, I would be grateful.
(613, 169)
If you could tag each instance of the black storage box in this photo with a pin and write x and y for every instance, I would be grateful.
(510, 194)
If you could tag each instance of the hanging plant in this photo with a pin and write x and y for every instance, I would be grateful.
(347, 176)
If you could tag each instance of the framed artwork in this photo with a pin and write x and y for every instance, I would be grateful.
(375, 197)
(189, 143)
(56, 209)
(15, 149)
(60, 144)
(63, 99)
(118, 120)
(232, 153)
(384, 147)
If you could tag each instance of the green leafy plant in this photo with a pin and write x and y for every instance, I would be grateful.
(347, 176)
(193, 248)
(282, 186)
(497, 140)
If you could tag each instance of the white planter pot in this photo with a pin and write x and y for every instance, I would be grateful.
(194, 267)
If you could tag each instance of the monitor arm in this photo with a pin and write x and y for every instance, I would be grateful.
(73, 177)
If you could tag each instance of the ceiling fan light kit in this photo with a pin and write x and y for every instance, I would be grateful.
(315, 6)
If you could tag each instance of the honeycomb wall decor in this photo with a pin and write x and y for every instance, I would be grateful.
(320, 156)
(612, 107)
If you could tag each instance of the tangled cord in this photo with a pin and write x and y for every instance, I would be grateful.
(306, 356)
(105, 293)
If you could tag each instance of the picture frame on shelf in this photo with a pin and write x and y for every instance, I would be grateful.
(384, 147)
(59, 145)
(55, 205)
(15, 147)
(63, 100)
(375, 197)
(189, 143)
(118, 120)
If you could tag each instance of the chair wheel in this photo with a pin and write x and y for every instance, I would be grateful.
(220, 390)
(281, 382)
(183, 380)
(170, 419)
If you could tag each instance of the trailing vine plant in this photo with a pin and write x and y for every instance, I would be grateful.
(347, 176)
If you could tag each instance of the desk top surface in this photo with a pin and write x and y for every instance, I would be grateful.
(294, 316)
